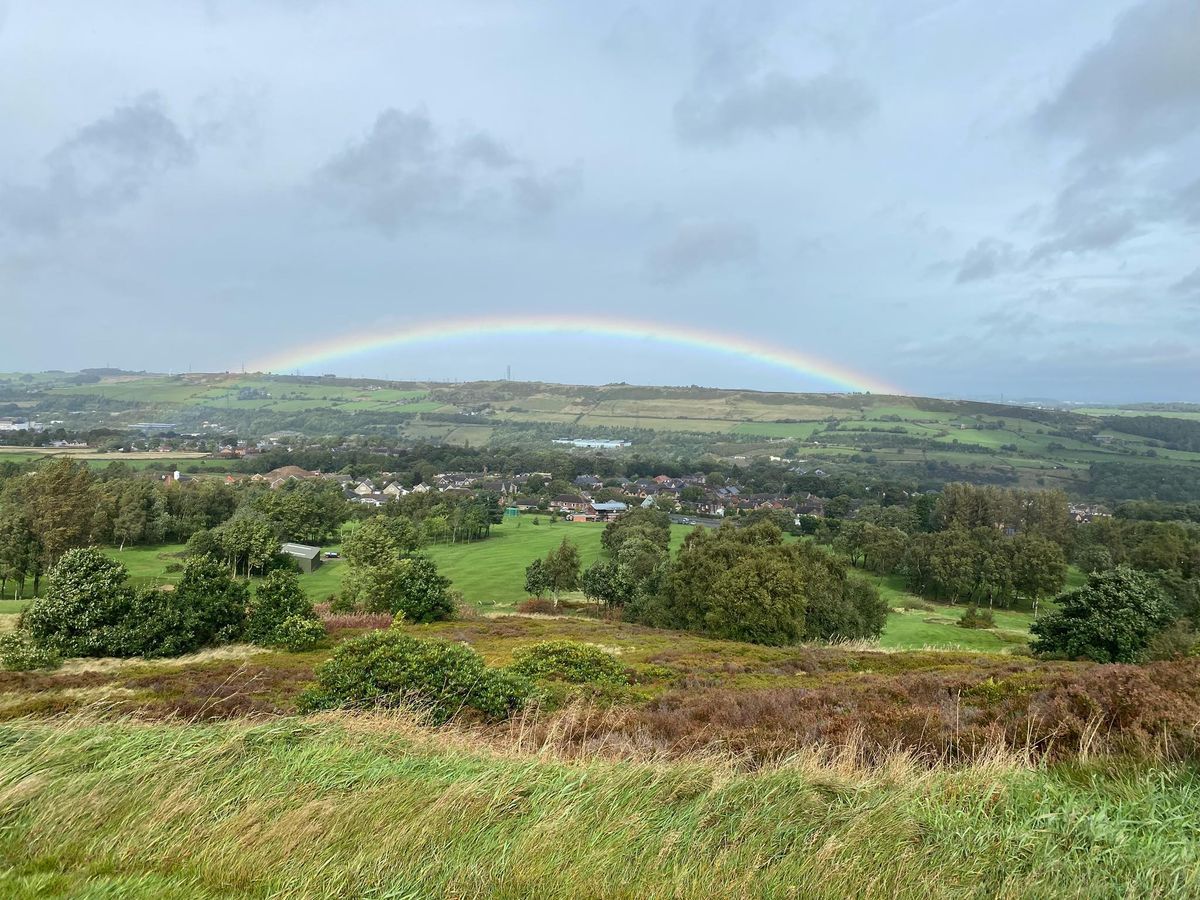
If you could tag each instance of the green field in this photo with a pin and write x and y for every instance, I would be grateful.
(491, 576)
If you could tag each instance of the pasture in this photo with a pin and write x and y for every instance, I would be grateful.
(491, 576)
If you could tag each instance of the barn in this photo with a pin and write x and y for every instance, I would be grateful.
(306, 557)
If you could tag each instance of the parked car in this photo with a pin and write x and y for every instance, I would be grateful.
(333, 554)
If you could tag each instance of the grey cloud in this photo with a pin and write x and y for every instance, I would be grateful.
(699, 245)
(1138, 90)
(539, 195)
(1103, 231)
(486, 151)
(770, 104)
(1188, 284)
(105, 166)
(985, 260)
(403, 174)
(1187, 203)
(1009, 323)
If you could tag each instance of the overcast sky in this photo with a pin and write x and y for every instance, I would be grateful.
(962, 198)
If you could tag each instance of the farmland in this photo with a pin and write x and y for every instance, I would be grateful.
(982, 442)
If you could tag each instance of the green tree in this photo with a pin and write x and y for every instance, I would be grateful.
(380, 540)
(537, 582)
(248, 543)
(1039, 567)
(1112, 618)
(605, 582)
(562, 568)
(759, 599)
(20, 553)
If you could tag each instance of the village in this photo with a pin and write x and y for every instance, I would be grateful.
(589, 498)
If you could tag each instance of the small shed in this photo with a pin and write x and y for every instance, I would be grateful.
(306, 557)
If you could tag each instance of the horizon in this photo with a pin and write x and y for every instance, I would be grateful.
(999, 399)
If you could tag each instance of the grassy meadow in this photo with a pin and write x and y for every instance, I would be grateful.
(374, 806)
(491, 576)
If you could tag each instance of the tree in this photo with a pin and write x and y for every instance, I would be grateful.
(1112, 618)
(381, 539)
(1039, 567)
(216, 601)
(760, 599)
(306, 511)
(561, 566)
(604, 581)
(411, 587)
(84, 609)
(59, 503)
(19, 551)
(248, 543)
(537, 582)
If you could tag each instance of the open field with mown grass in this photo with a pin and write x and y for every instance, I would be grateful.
(491, 576)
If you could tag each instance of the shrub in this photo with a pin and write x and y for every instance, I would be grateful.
(973, 618)
(1176, 642)
(297, 634)
(540, 606)
(1112, 618)
(19, 653)
(84, 608)
(392, 669)
(571, 661)
(411, 587)
(90, 610)
(279, 597)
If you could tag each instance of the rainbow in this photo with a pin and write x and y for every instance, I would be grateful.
(318, 354)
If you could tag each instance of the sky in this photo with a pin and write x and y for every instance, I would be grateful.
(953, 198)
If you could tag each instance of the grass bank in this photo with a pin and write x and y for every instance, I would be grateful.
(376, 807)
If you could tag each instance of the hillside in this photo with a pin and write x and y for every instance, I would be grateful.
(1133, 452)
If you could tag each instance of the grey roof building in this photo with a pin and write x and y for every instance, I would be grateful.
(306, 557)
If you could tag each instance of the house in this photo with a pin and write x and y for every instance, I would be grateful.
(587, 482)
(306, 557)
(604, 511)
(811, 506)
(365, 488)
(568, 502)
(277, 478)
(499, 486)
(395, 489)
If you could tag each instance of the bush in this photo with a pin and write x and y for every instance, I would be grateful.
(570, 661)
(84, 609)
(973, 618)
(1177, 642)
(1112, 618)
(411, 587)
(297, 634)
(90, 610)
(19, 653)
(392, 669)
(538, 606)
(279, 597)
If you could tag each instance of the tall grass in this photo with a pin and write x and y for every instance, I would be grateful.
(376, 806)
